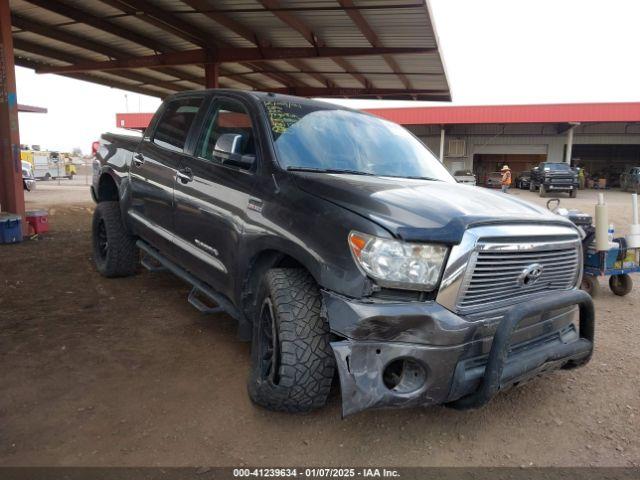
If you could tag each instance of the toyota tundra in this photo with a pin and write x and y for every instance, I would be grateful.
(343, 248)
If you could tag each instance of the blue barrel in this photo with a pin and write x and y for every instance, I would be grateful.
(10, 228)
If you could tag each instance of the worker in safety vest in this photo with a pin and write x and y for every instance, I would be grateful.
(506, 179)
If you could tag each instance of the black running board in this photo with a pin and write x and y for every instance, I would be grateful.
(200, 289)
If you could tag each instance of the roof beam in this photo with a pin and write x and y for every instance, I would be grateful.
(163, 23)
(23, 62)
(332, 72)
(204, 6)
(224, 20)
(244, 32)
(48, 52)
(83, 16)
(51, 31)
(230, 55)
(291, 20)
(371, 36)
(170, 23)
(360, 92)
(294, 22)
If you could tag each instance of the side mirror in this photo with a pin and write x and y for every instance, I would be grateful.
(227, 148)
(228, 143)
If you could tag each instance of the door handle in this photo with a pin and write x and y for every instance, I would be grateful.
(185, 175)
(138, 159)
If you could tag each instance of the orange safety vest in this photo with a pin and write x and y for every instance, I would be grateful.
(506, 178)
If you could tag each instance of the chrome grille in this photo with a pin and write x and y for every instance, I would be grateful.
(496, 273)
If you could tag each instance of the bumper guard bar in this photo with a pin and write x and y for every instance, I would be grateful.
(492, 380)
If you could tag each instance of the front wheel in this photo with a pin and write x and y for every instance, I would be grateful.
(590, 285)
(114, 248)
(621, 285)
(292, 361)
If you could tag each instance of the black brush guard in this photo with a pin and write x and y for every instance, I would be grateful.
(493, 375)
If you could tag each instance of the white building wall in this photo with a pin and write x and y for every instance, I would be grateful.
(554, 145)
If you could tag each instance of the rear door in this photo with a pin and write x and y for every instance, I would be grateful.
(211, 205)
(154, 168)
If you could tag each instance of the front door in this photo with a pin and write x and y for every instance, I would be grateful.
(211, 205)
(153, 172)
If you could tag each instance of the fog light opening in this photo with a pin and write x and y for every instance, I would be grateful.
(404, 376)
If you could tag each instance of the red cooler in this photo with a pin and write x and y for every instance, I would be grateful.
(38, 221)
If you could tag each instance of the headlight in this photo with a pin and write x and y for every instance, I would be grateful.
(396, 264)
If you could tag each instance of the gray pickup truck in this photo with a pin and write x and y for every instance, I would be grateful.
(342, 247)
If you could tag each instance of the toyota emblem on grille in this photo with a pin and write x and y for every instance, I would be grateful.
(530, 275)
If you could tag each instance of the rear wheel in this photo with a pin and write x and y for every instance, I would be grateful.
(620, 284)
(114, 248)
(292, 361)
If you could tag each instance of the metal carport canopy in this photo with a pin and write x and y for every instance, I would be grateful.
(330, 48)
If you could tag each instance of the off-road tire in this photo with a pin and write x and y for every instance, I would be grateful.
(590, 285)
(299, 380)
(621, 285)
(120, 256)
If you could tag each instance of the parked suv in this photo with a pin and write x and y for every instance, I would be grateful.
(630, 180)
(340, 243)
(554, 177)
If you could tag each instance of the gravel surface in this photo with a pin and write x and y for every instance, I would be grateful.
(124, 372)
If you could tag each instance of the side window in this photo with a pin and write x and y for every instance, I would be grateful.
(227, 130)
(173, 127)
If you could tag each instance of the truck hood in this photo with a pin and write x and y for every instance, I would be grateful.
(423, 210)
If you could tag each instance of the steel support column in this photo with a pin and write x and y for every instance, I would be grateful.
(211, 74)
(11, 193)
(442, 133)
(569, 150)
(567, 158)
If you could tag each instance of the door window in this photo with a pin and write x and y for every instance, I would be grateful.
(173, 127)
(229, 117)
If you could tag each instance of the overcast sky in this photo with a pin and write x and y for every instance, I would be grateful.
(495, 52)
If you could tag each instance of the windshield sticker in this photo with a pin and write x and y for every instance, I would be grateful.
(283, 114)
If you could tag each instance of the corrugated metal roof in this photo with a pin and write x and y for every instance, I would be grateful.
(56, 33)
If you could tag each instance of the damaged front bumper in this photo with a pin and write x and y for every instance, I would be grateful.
(419, 353)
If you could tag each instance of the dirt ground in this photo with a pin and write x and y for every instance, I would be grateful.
(124, 372)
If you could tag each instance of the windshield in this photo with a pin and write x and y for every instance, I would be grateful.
(319, 138)
(556, 166)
